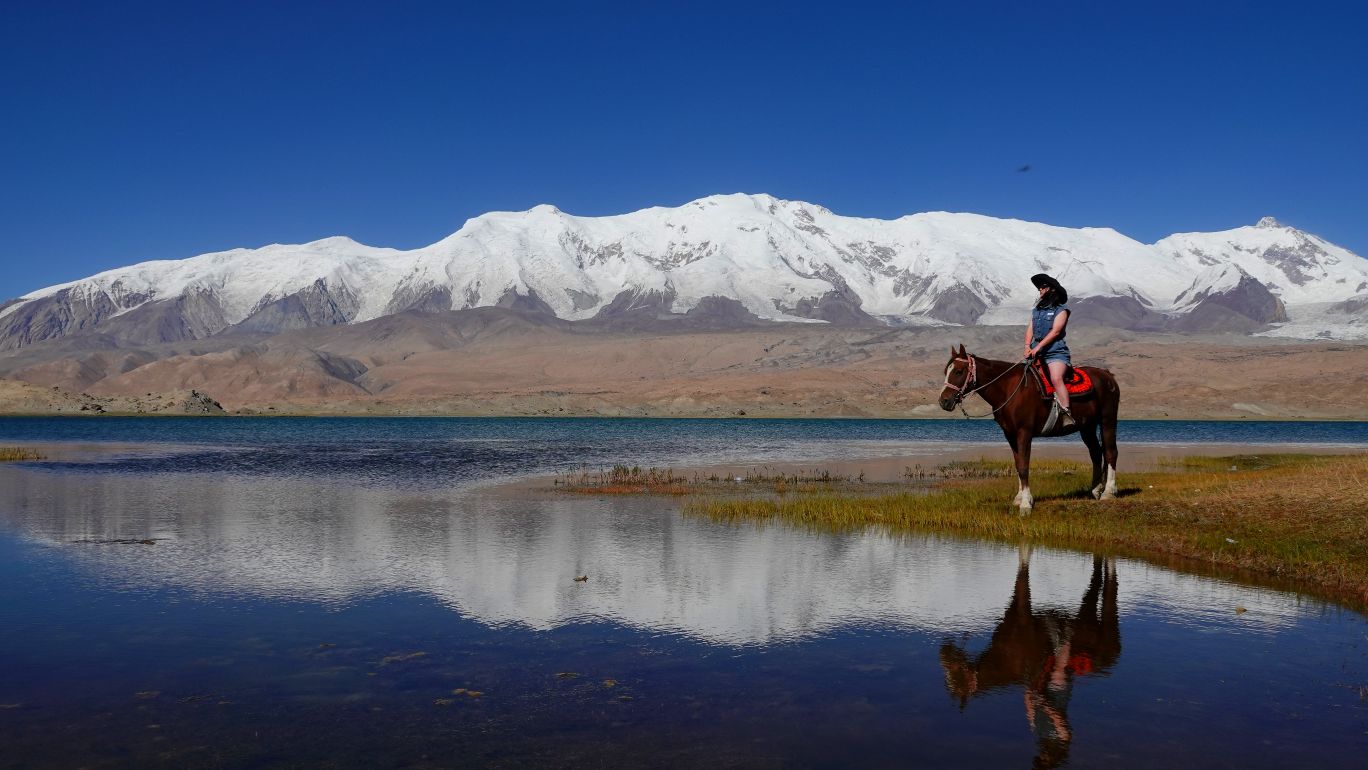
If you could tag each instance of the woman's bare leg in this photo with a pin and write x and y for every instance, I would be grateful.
(1057, 377)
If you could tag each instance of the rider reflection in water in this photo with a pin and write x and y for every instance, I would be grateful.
(1042, 652)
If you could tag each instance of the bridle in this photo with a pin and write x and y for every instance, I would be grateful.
(969, 388)
(966, 390)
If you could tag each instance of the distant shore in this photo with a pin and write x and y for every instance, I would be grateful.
(377, 414)
(25, 400)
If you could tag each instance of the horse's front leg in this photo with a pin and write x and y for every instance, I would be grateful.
(1089, 434)
(1109, 491)
(1021, 451)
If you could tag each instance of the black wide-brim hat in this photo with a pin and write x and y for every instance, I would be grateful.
(1060, 295)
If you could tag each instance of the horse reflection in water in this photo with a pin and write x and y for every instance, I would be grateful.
(1042, 652)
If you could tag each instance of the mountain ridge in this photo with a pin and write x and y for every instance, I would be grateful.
(778, 260)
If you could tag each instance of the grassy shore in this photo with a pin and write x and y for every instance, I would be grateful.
(1302, 518)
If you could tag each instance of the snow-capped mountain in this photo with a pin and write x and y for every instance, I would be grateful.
(779, 260)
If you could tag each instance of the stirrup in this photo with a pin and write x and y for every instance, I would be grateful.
(1066, 418)
(1059, 419)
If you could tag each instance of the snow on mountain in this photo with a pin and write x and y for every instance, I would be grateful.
(1303, 268)
(780, 260)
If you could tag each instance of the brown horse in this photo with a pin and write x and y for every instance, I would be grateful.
(1021, 410)
(1042, 652)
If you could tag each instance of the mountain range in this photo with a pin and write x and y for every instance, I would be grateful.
(725, 260)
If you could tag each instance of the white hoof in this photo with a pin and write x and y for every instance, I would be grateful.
(1109, 490)
(1097, 492)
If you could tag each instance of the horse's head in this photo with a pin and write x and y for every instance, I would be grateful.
(959, 376)
(961, 675)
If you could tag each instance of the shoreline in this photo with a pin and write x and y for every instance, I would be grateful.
(1289, 516)
(888, 468)
(1229, 513)
(236, 414)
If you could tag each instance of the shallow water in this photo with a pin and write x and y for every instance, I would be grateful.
(289, 615)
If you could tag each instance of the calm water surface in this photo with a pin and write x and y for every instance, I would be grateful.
(335, 592)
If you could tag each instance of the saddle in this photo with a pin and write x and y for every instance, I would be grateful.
(1076, 381)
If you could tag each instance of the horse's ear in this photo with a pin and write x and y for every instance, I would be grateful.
(952, 351)
(961, 351)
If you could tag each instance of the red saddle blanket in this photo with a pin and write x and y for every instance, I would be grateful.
(1076, 381)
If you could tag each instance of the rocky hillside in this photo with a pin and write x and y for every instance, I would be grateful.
(17, 397)
(493, 361)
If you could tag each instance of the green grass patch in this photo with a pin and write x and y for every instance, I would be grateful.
(1235, 462)
(1298, 517)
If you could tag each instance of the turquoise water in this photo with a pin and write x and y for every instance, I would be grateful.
(443, 451)
(331, 593)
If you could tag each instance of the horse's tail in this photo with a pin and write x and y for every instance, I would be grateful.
(1111, 401)
(1108, 413)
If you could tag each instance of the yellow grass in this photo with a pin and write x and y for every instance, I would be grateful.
(13, 453)
(624, 480)
(1298, 517)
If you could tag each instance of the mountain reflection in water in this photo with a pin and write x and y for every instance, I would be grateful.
(509, 558)
(288, 621)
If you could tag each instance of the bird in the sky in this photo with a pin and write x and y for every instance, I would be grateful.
(1024, 169)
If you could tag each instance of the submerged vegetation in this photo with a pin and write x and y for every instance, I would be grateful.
(635, 480)
(1300, 517)
(15, 453)
(624, 480)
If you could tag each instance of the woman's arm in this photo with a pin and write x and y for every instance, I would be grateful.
(1055, 331)
(1028, 339)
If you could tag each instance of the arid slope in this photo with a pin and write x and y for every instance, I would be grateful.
(495, 362)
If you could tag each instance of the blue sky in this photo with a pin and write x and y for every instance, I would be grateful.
(137, 131)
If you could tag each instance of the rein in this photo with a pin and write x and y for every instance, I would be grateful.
(966, 391)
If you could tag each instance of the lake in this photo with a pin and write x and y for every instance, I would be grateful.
(373, 592)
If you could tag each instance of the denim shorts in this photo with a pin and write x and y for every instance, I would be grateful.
(1057, 355)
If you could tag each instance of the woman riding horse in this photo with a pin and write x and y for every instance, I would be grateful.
(1020, 405)
(1045, 337)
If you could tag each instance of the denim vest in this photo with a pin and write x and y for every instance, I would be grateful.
(1042, 320)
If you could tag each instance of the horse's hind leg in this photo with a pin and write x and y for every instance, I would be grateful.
(1089, 434)
(1108, 415)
